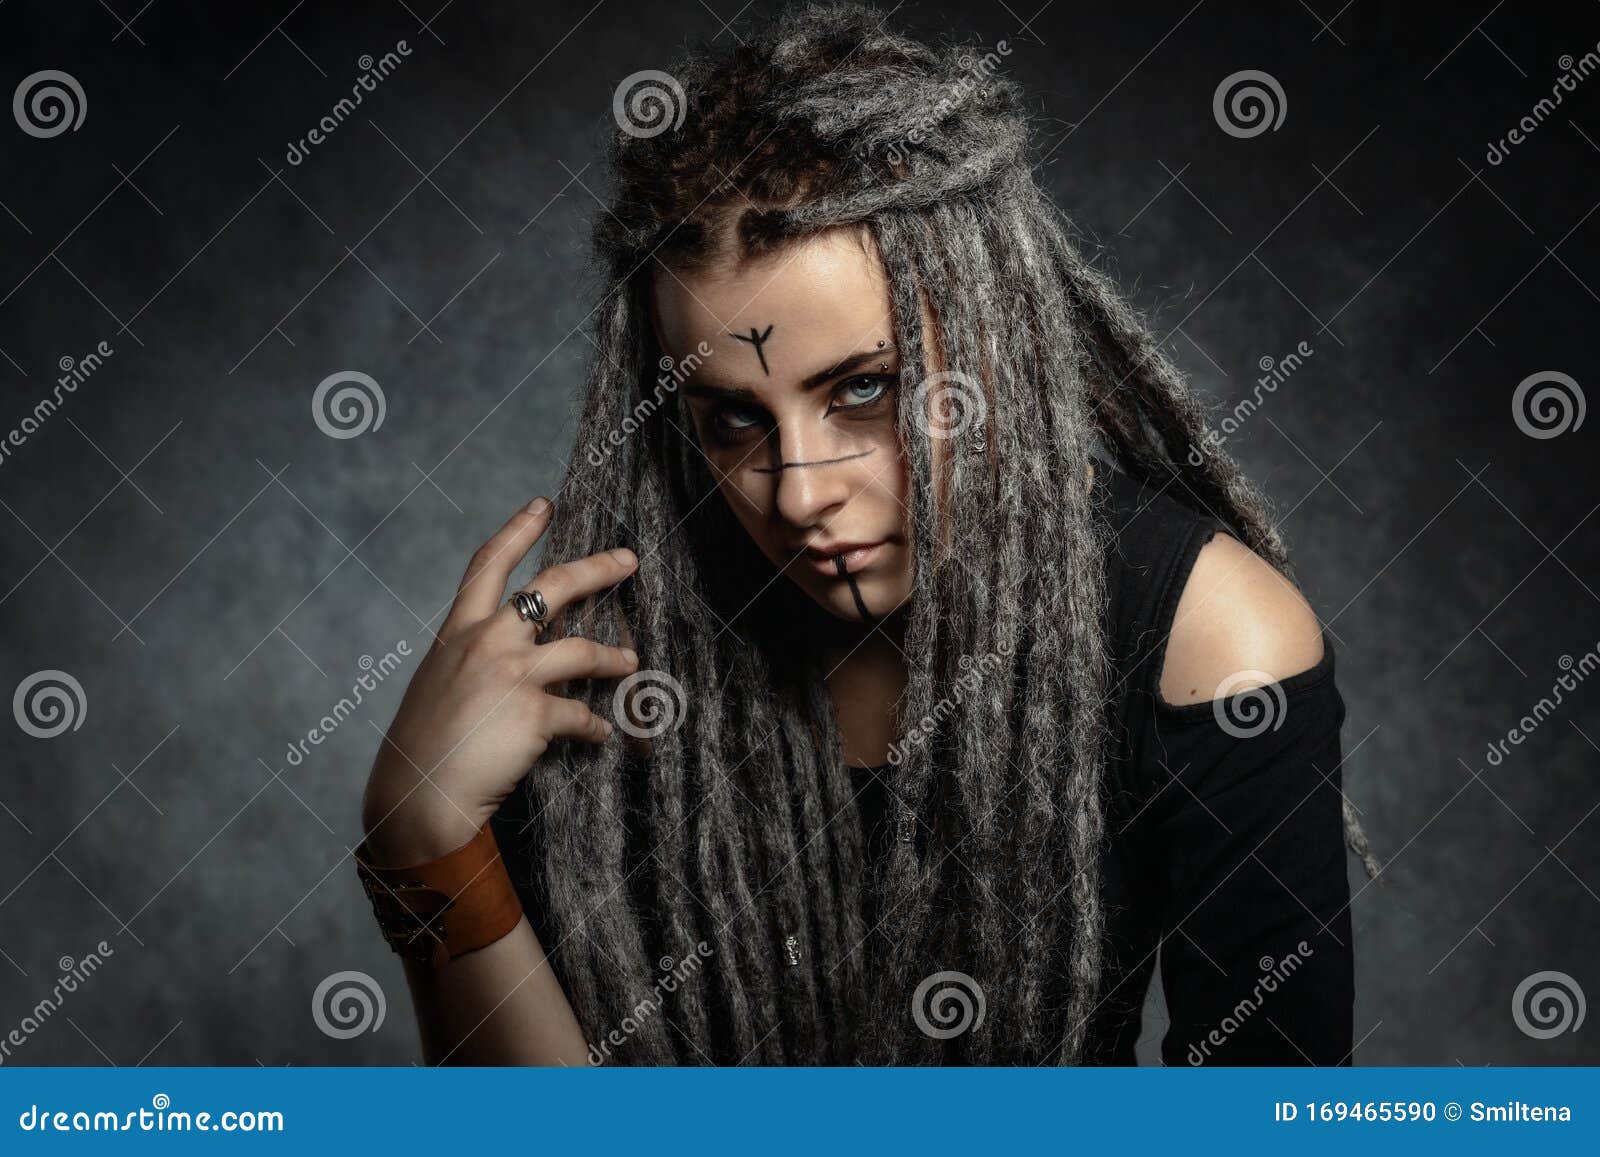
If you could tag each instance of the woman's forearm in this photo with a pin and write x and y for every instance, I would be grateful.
(500, 1005)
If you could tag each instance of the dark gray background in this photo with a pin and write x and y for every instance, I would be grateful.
(184, 541)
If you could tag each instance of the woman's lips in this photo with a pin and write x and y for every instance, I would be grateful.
(854, 560)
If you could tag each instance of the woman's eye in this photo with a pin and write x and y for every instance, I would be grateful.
(862, 392)
(858, 392)
(724, 418)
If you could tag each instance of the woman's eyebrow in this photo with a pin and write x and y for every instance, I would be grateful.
(853, 361)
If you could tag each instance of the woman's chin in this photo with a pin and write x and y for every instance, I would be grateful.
(839, 599)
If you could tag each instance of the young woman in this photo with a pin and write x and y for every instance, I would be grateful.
(906, 665)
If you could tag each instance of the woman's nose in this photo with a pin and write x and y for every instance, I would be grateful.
(814, 474)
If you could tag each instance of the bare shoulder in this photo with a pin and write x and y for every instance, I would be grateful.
(1236, 614)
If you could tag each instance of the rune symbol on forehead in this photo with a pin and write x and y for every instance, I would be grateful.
(757, 338)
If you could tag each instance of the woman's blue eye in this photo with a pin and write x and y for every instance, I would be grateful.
(877, 386)
(857, 393)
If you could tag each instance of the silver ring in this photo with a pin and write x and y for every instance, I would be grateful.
(531, 607)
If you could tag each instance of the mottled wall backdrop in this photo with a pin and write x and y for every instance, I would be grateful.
(1384, 276)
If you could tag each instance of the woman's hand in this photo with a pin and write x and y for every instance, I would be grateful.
(478, 712)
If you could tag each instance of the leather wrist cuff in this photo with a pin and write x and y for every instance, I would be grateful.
(434, 912)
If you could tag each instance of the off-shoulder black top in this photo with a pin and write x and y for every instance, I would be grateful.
(1224, 828)
(1224, 825)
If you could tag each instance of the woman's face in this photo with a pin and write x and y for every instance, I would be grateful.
(794, 410)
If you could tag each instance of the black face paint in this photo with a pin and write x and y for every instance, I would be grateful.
(819, 462)
(756, 338)
(855, 590)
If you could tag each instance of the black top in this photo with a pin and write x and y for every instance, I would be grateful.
(1224, 829)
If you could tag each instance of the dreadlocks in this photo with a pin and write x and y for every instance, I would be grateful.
(743, 805)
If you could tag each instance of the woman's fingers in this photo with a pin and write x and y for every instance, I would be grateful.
(569, 582)
(576, 657)
(570, 718)
(491, 566)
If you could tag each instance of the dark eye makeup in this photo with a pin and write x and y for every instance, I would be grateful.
(859, 396)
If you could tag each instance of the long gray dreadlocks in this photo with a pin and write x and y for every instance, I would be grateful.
(738, 829)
